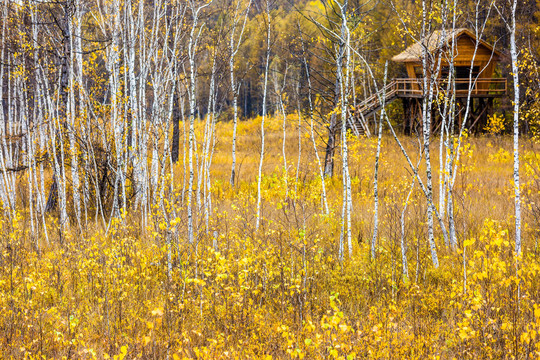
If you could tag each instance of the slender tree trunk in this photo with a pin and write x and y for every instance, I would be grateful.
(234, 45)
(5, 186)
(279, 92)
(204, 174)
(191, 133)
(299, 113)
(515, 74)
(343, 73)
(192, 49)
(426, 127)
(376, 175)
(312, 133)
(176, 124)
(332, 127)
(259, 178)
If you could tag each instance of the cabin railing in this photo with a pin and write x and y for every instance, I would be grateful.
(477, 87)
(391, 91)
(411, 87)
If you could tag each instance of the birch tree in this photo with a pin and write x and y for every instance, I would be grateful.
(234, 45)
(265, 87)
(376, 175)
(343, 79)
(194, 36)
(324, 200)
(514, 57)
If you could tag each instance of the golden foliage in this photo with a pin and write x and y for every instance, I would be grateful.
(282, 295)
(128, 292)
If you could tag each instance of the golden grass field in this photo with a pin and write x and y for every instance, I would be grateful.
(281, 292)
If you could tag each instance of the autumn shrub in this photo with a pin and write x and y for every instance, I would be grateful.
(282, 294)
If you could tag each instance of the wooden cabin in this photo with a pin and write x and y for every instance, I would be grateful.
(466, 47)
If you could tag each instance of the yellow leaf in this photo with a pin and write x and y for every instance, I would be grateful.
(146, 340)
(157, 311)
(463, 334)
(469, 242)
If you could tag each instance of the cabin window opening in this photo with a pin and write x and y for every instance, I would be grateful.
(418, 72)
(462, 74)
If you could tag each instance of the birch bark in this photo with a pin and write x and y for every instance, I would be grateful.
(192, 48)
(234, 45)
(265, 86)
(376, 175)
(515, 75)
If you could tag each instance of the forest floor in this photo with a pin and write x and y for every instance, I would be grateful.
(280, 292)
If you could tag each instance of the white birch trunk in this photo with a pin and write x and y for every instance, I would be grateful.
(72, 114)
(192, 47)
(279, 93)
(234, 45)
(376, 175)
(515, 74)
(208, 137)
(259, 177)
(344, 54)
(299, 113)
(133, 105)
(426, 127)
(5, 188)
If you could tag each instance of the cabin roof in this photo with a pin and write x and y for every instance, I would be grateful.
(414, 52)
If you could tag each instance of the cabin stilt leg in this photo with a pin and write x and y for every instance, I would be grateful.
(460, 109)
(407, 115)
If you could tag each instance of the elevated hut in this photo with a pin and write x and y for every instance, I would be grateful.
(473, 64)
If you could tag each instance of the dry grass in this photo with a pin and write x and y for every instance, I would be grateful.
(483, 184)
